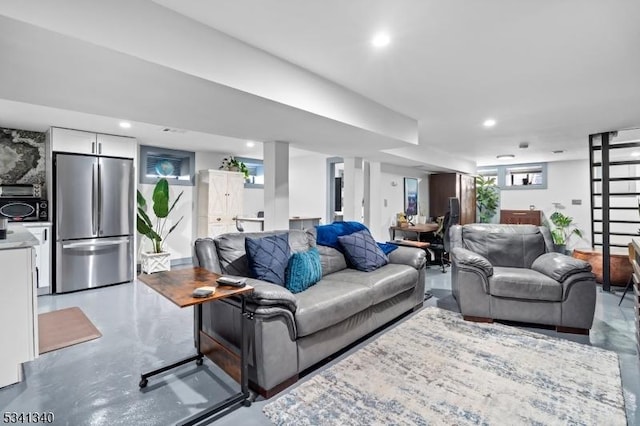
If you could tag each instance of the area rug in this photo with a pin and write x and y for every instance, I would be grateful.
(64, 327)
(435, 368)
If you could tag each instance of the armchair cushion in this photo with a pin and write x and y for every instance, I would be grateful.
(468, 258)
(521, 283)
(559, 266)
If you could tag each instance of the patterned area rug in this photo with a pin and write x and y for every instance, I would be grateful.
(436, 368)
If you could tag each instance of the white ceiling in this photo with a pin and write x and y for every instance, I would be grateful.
(549, 72)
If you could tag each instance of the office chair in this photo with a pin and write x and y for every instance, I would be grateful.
(441, 243)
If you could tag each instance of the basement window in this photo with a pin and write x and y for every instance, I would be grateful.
(517, 176)
(178, 167)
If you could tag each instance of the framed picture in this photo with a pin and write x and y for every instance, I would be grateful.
(411, 196)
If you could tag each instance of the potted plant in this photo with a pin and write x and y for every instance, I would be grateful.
(157, 260)
(487, 198)
(232, 165)
(562, 231)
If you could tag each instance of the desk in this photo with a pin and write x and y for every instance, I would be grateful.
(177, 286)
(419, 229)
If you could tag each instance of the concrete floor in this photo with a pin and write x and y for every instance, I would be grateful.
(96, 383)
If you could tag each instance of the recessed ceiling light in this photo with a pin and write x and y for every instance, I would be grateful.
(489, 122)
(505, 157)
(381, 39)
(125, 124)
(251, 144)
(558, 151)
(635, 154)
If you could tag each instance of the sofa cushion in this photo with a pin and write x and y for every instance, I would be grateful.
(303, 271)
(515, 246)
(527, 284)
(268, 258)
(332, 260)
(362, 251)
(231, 253)
(327, 235)
(384, 282)
(329, 302)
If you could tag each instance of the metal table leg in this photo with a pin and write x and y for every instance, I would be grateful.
(198, 357)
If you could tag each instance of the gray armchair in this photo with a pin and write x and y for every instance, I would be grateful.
(509, 272)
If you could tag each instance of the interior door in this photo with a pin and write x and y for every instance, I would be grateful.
(115, 198)
(76, 196)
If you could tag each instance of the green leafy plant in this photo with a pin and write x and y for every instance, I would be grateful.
(161, 211)
(564, 228)
(487, 198)
(230, 163)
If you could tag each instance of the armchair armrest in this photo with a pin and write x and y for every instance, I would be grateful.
(559, 266)
(464, 257)
(410, 256)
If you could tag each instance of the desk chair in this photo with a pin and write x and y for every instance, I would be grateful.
(632, 255)
(440, 244)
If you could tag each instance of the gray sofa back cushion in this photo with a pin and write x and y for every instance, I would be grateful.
(515, 246)
(231, 251)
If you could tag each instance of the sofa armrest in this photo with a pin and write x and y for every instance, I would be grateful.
(463, 257)
(559, 266)
(269, 294)
(410, 256)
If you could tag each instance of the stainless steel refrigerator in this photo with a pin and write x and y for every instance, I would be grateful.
(93, 220)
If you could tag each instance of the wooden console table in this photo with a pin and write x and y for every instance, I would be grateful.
(177, 286)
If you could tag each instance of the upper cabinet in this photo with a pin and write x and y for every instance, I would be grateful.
(80, 142)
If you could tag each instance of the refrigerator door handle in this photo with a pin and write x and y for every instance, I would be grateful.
(97, 211)
(95, 244)
(94, 198)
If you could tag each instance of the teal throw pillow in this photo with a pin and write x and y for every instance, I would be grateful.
(304, 270)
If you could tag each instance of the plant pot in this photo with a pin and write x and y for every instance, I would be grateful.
(234, 169)
(155, 262)
(560, 248)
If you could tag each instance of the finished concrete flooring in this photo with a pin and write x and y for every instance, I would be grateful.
(96, 383)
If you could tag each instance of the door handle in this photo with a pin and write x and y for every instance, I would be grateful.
(94, 201)
(99, 147)
(93, 147)
(96, 244)
(45, 234)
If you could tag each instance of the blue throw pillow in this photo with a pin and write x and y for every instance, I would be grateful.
(387, 248)
(327, 235)
(362, 251)
(304, 270)
(268, 257)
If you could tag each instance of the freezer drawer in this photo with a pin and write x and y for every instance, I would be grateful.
(82, 264)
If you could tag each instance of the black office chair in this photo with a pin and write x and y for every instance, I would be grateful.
(441, 243)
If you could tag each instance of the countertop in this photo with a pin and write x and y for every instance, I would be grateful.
(18, 237)
(261, 219)
(35, 224)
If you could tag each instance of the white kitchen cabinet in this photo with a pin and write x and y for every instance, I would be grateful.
(81, 142)
(220, 201)
(18, 305)
(42, 255)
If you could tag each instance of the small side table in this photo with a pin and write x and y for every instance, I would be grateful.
(177, 286)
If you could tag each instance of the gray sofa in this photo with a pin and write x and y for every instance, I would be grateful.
(509, 272)
(292, 332)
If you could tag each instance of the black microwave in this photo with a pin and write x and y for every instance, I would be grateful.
(24, 209)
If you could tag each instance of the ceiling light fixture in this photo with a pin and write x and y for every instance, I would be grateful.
(489, 122)
(125, 124)
(635, 154)
(380, 39)
(505, 156)
(251, 144)
(558, 151)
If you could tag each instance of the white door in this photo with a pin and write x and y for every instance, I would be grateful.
(217, 196)
(116, 146)
(75, 141)
(42, 255)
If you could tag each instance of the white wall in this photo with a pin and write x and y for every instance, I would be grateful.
(308, 186)
(566, 181)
